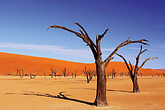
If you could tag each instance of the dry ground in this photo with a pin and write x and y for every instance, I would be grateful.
(75, 94)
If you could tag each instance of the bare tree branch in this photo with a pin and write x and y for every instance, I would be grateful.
(85, 37)
(101, 36)
(131, 66)
(137, 58)
(86, 34)
(124, 44)
(124, 61)
(106, 64)
(146, 61)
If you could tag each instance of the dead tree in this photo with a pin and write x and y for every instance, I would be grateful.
(75, 74)
(64, 72)
(121, 74)
(134, 71)
(158, 74)
(101, 65)
(72, 74)
(32, 76)
(54, 72)
(88, 73)
(45, 74)
(141, 74)
(68, 74)
(20, 73)
(163, 74)
(113, 73)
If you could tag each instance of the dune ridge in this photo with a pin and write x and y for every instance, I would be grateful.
(9, 63)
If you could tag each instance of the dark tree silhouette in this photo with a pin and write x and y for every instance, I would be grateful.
(20, 73)
(100, 64)
(45, 74)
(133, 72)
(54, 72)
(64, 72)
(32, 76)
(88, 73)
(113, 73)
(75, 74)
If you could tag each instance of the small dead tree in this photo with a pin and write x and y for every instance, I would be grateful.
(75, 74)
(88, 73)
(32, 76)
(141, 74)
(101, 65)
(121, 74)
(68, 74)
(54, 72)
(158, 74)
(72, 74)
(164, 74)
(134, 71)
(20, 73)
(113, 73)
(45, 74)
(64, 72)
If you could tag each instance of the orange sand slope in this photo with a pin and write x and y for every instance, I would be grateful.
(9, 63)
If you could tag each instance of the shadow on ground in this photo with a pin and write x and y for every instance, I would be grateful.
(59, 96)
(107, 90)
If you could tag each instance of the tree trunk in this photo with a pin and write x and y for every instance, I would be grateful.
(135, 85)
(101, 86)
(87, 79)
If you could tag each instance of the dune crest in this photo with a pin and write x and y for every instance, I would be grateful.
(9, 63)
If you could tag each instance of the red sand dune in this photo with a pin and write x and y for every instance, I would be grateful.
(162, 70)
(9, 63)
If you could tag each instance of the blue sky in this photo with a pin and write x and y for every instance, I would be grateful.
(23, 28)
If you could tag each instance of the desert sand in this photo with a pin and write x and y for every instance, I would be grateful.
(75, 94)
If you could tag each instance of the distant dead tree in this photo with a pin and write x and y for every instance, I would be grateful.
(88, 73)
(108, 74)
(133, 72)
(158, 74)
(94, 74)
(51, 75)
(75, 74)
(20, 73)
(54, 72)
(68, 73)
(32, 76)
(113, 73)
(64, 72)
(121, 74)
(164, 74)
(72, 74)
(101, 65)
(45, 74)
(141, 74)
